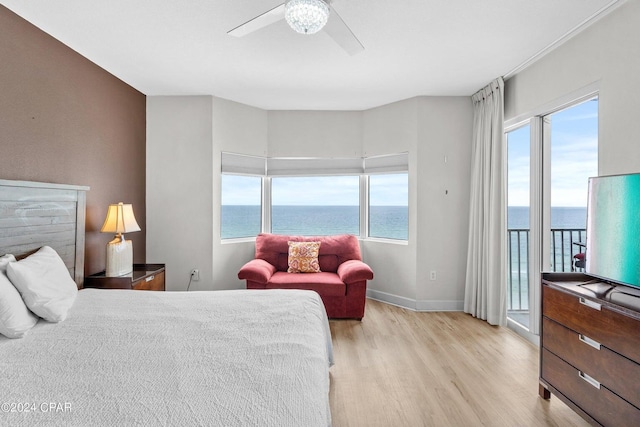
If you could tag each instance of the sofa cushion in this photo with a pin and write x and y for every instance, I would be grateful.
(334, 250)
(325, 283)
(328, 262)
(303, 257)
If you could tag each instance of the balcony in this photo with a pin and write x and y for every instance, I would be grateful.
(565, 243)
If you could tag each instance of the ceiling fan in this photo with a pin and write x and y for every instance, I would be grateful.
(306, 17)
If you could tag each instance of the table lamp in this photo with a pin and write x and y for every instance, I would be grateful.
(120, 220)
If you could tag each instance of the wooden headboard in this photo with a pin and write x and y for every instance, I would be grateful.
(35, 214)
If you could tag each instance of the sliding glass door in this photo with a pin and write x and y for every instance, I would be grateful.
(550, 159)
(518, 209)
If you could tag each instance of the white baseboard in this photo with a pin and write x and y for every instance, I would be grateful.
(440, 305)
(415, 305)
(392, 299)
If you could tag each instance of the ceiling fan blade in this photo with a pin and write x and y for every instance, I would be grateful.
(260, 21)
(342, 34)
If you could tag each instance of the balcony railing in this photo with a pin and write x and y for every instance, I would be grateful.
(565, 243)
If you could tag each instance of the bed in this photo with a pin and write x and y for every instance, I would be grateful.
(121, 357)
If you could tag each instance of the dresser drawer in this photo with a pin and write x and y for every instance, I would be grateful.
(603, 405)
(154, 282)
(584, 353)
(618, 332)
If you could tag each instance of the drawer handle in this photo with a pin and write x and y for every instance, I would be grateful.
(588, 341)
(150, 278)
(590, 303)
(589, 379)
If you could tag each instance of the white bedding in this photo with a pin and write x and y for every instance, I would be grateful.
(225, 358)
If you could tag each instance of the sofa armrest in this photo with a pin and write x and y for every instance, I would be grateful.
(354, 271)
(256, 270)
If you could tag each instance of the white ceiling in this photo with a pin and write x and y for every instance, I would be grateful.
(412, 47)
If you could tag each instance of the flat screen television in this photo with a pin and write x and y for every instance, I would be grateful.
(613, 229)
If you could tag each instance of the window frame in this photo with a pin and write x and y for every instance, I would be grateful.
(268, 168)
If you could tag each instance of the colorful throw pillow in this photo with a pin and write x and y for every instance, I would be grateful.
(303, 257)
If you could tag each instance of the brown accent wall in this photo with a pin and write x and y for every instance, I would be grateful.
(65, 120)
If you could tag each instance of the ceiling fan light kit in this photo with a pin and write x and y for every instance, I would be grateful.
(306, 16)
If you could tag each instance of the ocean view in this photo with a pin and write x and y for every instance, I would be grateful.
(561, 217)
(384, 221)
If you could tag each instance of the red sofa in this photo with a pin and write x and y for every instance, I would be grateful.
(341, 283)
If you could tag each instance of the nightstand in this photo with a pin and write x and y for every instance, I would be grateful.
(145, 277)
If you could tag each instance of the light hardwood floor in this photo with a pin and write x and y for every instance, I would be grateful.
(401, 368)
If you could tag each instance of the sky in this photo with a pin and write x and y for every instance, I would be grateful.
(316, 191)
(574, 157)
(385, 190)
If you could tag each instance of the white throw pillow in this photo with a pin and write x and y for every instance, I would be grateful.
(15, 317)
(44, 283)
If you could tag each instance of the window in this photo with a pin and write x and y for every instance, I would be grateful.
(315, 196)
(315, 205)
(241, 211)
(389, 206)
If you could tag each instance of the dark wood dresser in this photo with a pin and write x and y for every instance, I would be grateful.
(590, 347)
(145, 277)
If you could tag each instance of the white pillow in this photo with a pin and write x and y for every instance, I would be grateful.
(45, 284)
(15, 317)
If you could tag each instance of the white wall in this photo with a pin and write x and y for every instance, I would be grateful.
(189, 133)
(444, 178)
(185, 136)
(606, 54)
(242, 129)
(430, 128)
(179, 187)
(392, 129)
(315, 134)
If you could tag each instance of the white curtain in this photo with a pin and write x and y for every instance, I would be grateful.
(486, 281)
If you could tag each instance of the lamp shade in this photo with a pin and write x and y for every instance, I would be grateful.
(120, 219)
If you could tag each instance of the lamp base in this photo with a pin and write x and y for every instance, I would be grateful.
(119, 257)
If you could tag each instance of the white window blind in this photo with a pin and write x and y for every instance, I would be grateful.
(233, 163)
(290, 166)
(243, 164)
(387, 163)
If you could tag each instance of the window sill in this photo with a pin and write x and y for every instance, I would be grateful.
(238, 240)
(384, 240)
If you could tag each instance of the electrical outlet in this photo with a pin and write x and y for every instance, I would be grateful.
(432, 275)
(195, 274)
